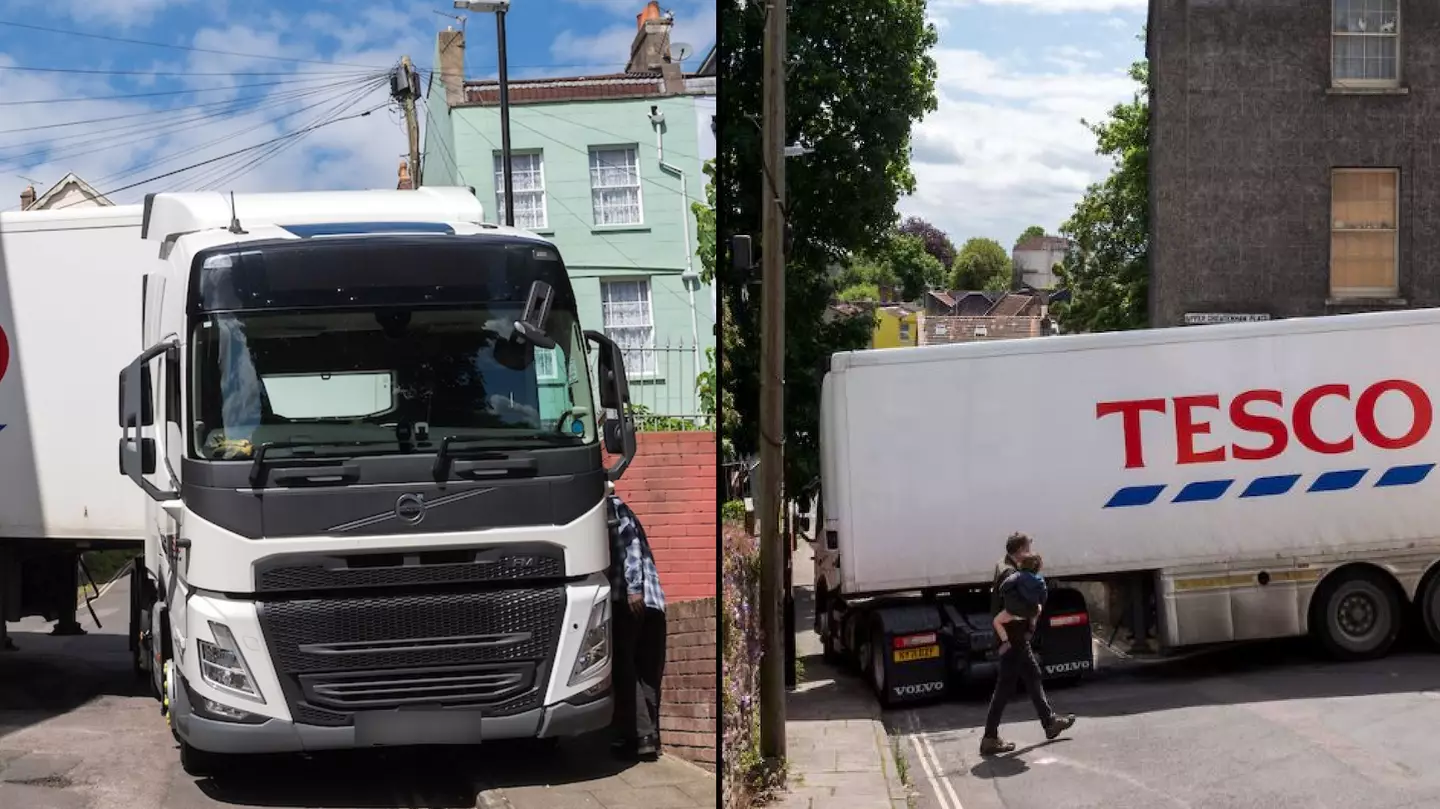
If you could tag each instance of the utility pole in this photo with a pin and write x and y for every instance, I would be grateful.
(405, 86)
(772, 387)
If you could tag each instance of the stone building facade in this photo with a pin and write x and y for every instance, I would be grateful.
(1295, 163)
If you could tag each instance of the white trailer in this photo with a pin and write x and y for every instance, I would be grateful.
(70, 287)
(1230, 482)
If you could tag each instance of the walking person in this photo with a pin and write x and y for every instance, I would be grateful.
(1017, 657)
(639, 632)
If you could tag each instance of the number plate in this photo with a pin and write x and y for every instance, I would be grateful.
(918, 653)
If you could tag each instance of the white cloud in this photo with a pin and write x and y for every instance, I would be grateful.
(1006, 148)
(1046, 6)
(357, 153)
(122, 13)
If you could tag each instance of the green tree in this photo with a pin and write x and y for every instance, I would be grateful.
(1033, 230)
(861, 291)
(715, 399)
(1107, 269)
(902, 262)
(981, 264)
(937, 242)
(841, 197)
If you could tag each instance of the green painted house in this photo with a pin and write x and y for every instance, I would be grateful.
(607, 167)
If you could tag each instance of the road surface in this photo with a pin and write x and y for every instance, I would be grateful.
(1260, 727)
(78, 732)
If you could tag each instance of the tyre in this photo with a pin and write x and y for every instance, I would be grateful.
(198, 763)
(877, 650)
(1357, 615)
(828, 652)
(1429, 602)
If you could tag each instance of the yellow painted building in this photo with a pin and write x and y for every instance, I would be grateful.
(895, 327)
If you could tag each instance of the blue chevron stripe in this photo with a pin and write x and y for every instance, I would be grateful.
(1204, 491)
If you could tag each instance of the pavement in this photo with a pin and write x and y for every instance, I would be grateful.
(838, 752)
(1261, 726)
(78, 732)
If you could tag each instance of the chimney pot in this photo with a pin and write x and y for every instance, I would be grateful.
(651, 12)
(27, 197)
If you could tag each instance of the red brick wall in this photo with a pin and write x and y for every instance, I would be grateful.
(671, 487)
(689, 698)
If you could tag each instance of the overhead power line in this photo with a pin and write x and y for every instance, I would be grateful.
(261, 145)
(184, 73)
(157, 93)
(152, 112)
(191, 48)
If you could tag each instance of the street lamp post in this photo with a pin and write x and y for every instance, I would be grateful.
(498, 8)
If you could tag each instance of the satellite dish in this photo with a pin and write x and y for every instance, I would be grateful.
(683, 51)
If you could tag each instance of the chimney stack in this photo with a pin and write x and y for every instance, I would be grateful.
(451, 48)
(650, 51)
(27, 197)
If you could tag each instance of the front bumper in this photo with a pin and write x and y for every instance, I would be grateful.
(387, 728)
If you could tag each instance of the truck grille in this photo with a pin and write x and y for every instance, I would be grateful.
(369, 570)
(489, 650)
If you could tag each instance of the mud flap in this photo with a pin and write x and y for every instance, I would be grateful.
(1063, 641)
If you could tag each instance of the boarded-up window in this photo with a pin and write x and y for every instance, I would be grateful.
(1364, 230)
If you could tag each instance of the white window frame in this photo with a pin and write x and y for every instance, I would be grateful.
(649, 365)
(551, 373)
(634, 149)
(1337, 35)
(544, 193)
(1365, 292)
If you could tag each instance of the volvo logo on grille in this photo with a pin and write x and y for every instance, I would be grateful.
(410, 508)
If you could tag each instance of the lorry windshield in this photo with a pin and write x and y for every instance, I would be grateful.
(393, 379)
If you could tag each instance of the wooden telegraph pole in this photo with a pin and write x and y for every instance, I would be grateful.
(772, 387)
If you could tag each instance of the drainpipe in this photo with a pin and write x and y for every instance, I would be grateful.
(689, 277)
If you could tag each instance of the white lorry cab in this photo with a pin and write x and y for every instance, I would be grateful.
(1209, 484)
(371, 491)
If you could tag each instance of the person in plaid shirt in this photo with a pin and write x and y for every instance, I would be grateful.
(639, 628)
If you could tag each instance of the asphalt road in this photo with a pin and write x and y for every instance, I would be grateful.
(1257, 727)
(78, 732)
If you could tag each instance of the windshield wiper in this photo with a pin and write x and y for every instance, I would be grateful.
(257, 467)
(445, 455)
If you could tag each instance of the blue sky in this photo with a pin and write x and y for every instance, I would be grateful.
(1006, 148)
(288, 65)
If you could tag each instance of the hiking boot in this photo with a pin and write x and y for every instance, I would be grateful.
(1058, 725)
(994, 746)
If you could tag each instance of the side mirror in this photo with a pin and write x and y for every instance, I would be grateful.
(147, 396)
(531, 324)
(137, 452)
(619, 431)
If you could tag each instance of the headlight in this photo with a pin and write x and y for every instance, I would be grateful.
(595, 646)
(223, 666)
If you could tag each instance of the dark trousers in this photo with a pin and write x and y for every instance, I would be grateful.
(638, 669)
(1018, 663)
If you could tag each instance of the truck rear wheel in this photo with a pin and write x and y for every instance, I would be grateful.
(1429, 600)
(1357, 615)
(877, 649)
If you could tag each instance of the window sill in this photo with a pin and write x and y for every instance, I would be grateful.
(1367, 91)
(1397, 303)
(620, 229)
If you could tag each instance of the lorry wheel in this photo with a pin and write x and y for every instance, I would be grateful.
(1358, 615)
(197, 763)
(877, 668)
(828, 652)
(1429, 600)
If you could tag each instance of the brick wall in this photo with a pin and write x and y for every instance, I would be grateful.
(671, 487)
(688, 703)
(943, 330)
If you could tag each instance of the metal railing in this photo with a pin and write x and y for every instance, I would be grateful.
(663, 389)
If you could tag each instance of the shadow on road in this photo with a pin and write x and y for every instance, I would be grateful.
(1260, 671)
(436, 778)
(50, 676)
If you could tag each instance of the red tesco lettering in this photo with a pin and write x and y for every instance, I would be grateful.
(1261, 413)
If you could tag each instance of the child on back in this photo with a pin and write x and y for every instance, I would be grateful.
(1022, 593)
